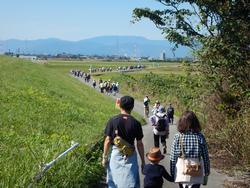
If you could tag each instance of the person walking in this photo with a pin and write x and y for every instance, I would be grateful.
(170, 113)
(146, 102)
(94, 84)
(156, 107)
(160, 128)
(154, 172)
(121, 132)
(189, 160)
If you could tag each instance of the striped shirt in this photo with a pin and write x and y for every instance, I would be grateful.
(194, 146)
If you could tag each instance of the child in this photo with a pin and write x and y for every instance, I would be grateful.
(154, 172)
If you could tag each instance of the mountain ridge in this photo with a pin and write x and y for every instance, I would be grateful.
(136, 46)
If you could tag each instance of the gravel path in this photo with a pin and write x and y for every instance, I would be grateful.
(216, 179)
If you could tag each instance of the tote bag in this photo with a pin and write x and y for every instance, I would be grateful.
(181, 177)
(181, 167)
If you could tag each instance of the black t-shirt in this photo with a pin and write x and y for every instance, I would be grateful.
(170, 111)
(128, 128)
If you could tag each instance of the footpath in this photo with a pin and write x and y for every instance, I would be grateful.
(215, 179)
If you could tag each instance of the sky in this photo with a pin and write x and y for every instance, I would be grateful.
(73, 19)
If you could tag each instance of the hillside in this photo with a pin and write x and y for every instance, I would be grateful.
(42, 111)
(104, 45)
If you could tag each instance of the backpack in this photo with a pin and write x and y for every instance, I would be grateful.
(161, 124)
(145, 103)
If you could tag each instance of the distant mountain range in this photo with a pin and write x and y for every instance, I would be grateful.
(104, 45)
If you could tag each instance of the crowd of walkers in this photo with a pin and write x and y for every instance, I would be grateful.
(81, 74)
(131, 67)
(105, 86)
(120, 68)
(189, 160)
(101, 69)
(108, 87)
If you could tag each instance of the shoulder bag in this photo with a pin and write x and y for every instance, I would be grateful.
(125, 148)
(189, 169)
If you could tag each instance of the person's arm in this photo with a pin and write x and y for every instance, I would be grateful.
(106, 146)
(174, 155)
(205, 156)
(152, 120)
(167, 176)
(167, 128)
(140, 148)
(144, 170)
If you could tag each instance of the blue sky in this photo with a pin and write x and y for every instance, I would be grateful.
(73, 19)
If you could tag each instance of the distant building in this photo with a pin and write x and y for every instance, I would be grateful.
(163, 56)
(30, 57)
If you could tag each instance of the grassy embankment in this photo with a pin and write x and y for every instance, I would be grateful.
(42, 110)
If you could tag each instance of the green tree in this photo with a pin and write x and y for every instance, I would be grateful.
(219, 34)
(217, 30)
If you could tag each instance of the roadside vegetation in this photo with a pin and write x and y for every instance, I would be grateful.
(218, 33)
(187, 88)
(43, 110)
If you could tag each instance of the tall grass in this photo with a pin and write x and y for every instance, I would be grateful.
(42, 111)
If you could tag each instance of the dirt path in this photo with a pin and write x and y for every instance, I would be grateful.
(216, 179)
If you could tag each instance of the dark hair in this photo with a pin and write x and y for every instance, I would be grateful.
(127, 103)
(189, 122)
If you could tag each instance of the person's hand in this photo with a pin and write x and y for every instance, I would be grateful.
(104, 161)
(142, 167)
(167, 136)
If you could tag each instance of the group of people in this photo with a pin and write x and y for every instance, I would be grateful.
(109, 87)
(100, 69)
(131, 67)
(189, 159)
(81, 74)
(156, 108)
(110, 69)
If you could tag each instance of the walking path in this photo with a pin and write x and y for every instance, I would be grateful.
(216, 179)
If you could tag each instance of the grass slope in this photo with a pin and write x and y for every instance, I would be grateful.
(42, 111)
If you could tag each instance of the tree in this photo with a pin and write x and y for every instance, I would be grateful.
(218, 31)
(219, 34)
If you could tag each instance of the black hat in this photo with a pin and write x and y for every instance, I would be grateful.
(127, 103)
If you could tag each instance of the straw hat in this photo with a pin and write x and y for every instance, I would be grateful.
(154, 154)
